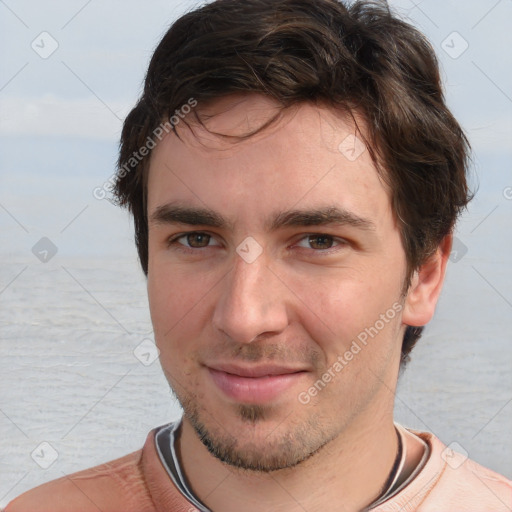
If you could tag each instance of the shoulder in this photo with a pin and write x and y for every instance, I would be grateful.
(116, 485)
(451, 481)
(466, 485)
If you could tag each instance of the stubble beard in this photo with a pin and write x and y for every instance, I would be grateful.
(290, 449)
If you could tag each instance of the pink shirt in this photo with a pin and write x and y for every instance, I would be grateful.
(139, 483)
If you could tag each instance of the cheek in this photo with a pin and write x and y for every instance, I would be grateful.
(174, 303)
(336, 310)
(176, 311)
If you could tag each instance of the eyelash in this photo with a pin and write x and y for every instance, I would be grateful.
(174, 241)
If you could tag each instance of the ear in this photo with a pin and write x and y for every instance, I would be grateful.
(426, 285)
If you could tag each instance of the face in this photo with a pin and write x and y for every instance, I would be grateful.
(275, 280)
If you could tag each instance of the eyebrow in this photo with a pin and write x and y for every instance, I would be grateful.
(193, 216)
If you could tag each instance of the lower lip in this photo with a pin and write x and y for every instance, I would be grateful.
(254, 389)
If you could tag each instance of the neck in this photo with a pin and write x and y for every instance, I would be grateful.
(350, 470)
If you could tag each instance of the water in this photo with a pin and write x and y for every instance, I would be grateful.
(69, 376)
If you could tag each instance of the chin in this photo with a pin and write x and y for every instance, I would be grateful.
(252, 437)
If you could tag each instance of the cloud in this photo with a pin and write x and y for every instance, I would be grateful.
(492, 135)
(51, 115)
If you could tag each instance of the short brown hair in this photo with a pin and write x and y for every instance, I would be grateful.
(359, 58)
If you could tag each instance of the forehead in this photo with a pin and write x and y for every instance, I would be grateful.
(309, 155)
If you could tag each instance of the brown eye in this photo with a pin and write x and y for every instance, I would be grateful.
(321, 244)
(320, 241)
(187, 242)
(198, 240)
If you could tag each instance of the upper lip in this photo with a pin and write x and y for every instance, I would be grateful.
(254, 371)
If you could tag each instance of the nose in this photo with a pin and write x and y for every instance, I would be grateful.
(252, 302)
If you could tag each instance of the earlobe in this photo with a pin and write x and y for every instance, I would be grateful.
(426, 285)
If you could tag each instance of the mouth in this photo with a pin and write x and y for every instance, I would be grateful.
(256, 384)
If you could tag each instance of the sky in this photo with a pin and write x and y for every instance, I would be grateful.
(71, 70)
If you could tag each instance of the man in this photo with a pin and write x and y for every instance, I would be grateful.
(295, 177)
